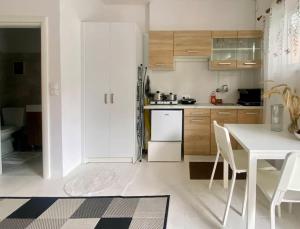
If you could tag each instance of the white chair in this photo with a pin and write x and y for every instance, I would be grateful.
(237, 160)
(281, 186)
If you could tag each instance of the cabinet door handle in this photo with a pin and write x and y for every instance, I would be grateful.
(197, 113)
(249, 63)
(251, 113)
(112, 98)
(224, 113)
(224, 63)
(197, 120)
(192, 51)
(161, 64)
(105, 98)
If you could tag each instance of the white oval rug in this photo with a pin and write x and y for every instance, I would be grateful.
(90, 183)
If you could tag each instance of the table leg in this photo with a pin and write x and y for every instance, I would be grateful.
(252, 170)
(225, 174)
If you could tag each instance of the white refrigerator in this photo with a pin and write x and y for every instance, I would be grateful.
(166, 135)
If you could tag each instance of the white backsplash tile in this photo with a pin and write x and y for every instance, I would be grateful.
(194, 78)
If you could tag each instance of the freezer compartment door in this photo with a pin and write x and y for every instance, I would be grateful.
(166, 125)
(164, 151)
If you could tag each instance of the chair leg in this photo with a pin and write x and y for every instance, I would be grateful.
(272, 216)
(245, 198)
(279, 211)
(290, 208)
(229, 199)
(214, 170)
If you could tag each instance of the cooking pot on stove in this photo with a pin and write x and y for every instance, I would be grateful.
(171, 97)
(158, 96)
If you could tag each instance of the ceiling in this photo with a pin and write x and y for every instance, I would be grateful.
(130, 2)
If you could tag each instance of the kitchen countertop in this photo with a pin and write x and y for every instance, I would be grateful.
(199, 105)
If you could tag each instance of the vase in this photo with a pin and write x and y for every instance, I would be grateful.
(277, 117)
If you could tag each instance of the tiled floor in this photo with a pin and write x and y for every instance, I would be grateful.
(192, 205)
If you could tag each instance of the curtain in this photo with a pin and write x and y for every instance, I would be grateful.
(284, 41)
(282, 56)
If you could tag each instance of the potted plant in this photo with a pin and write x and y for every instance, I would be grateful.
(290, 100)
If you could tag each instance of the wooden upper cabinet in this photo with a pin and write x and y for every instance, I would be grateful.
(192, 43)
(161, 50)
(224, 34)
(250, 34)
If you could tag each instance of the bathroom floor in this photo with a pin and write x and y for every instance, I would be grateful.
(23, 164)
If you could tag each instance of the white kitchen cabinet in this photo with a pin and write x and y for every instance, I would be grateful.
(112, 53)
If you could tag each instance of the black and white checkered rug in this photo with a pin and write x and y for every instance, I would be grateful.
(149, 212)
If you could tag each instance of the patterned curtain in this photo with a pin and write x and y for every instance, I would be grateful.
(284, 41)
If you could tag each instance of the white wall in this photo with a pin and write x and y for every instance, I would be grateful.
(202, 14)
(72, 13)
(194, 78)
(97, 10)
(70, 28)
(48, 9)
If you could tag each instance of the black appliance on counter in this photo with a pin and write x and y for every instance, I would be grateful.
(187, 101)
(250, 97)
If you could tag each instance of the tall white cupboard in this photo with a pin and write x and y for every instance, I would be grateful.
(111, 54)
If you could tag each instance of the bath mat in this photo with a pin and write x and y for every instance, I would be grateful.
(203, 170)
(111, 212)
(101, 180)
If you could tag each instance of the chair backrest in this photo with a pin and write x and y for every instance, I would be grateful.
(289, 178)
(224, 144)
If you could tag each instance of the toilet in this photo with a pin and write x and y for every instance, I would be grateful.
(13, 120)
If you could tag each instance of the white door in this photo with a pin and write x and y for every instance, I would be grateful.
(123, 75)
(166, 125)
(96, 86)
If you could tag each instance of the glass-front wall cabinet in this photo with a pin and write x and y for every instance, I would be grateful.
(249, 53)
(236, 50)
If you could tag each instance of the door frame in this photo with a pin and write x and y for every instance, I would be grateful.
(42, 23)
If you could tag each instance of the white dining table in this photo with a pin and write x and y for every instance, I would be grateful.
(260, 143)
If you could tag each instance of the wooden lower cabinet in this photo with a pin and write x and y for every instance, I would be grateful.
(250, 116)
(197, 132)
(199, 135)
(222, 116)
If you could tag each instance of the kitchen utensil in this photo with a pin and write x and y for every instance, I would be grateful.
(158, 96)
(171, 97)
(187, 101)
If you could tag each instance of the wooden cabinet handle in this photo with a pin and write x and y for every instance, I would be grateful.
(197, 120)
(161, 64)
(249, 63)
(224, 63)
(251, 113)
(224, 113)
(192, 51)
(197, 113)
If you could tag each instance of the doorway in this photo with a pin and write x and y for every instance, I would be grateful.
(24, 97)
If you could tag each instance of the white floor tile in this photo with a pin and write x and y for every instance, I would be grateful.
(192, 205)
